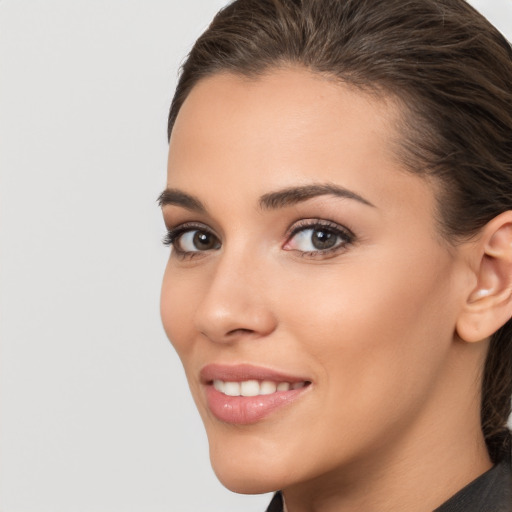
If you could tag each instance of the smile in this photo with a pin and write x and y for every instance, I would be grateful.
(245, 394)
(254, 387)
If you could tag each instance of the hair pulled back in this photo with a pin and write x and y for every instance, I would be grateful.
(449, 69)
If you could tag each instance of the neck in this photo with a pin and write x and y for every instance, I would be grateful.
(407, 482)
(441, 451)
(415, 483)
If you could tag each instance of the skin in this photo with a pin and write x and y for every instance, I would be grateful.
(391, 419)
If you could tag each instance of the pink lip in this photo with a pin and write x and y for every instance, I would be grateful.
(240, 372)
(240, 410)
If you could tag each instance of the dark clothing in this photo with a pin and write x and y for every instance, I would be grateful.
(491, 492)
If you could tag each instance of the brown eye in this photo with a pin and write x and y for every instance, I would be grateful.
(322, 239)
(204, 241)
(319, 238)
(196, 240)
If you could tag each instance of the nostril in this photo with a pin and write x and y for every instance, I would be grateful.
(239, 331)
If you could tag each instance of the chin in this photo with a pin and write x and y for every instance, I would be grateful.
(243, 464)
(250, 481)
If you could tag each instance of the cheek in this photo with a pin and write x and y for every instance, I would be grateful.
(377, 331)
(178, 301)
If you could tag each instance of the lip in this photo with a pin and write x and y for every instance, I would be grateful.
(241, 410)
(240, 372)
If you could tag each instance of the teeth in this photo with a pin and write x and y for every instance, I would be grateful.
(232, 388)
(267, 387)
(218, 385)
(254, 387)
(250, 388)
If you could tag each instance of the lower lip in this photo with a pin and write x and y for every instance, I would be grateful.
(244, 410)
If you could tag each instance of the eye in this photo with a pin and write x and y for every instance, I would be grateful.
(191, 239)
(196, 240)
(318, 238)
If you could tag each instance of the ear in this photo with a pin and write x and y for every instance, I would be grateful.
(489, 305)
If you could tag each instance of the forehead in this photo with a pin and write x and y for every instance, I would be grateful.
(287, 127)
(282, 106)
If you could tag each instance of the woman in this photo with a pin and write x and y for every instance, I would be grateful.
(339, 289)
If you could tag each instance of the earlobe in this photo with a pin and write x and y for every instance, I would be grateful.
(489, 305)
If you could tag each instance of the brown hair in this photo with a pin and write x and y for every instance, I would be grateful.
(448, 67)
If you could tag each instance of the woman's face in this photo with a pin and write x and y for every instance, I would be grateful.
(306, 273)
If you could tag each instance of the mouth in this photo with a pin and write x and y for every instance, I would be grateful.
(254, 387)
(245, 394)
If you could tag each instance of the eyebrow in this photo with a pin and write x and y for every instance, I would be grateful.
(293, 195)
(172, 196)
(271, 201)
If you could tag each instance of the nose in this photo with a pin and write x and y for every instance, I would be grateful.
(235, 305)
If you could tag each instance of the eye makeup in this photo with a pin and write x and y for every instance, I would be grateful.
(318, 238)
(310, 238)
(191, 239)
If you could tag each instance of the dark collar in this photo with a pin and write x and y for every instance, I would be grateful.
(490, 492)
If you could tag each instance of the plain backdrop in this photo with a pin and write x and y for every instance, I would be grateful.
(95, 410)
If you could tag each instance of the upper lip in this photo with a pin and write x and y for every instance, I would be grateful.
(241, 372)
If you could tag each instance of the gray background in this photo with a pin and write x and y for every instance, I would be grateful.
(95, 411)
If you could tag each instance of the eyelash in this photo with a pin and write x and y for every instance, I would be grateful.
(173, 235)
(346, 236)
